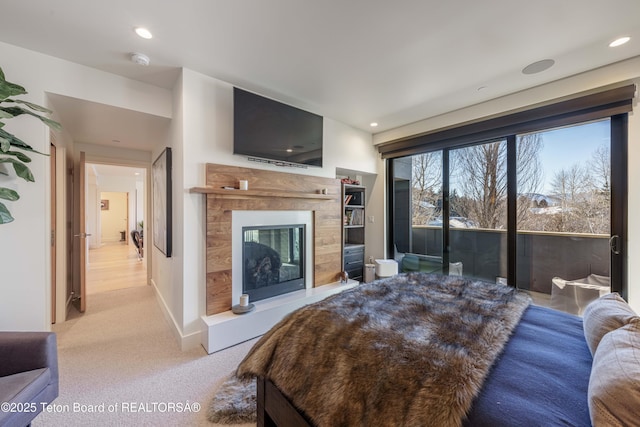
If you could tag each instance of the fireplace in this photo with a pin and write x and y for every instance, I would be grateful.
(274, 198)
(272, 253)
(273, 260)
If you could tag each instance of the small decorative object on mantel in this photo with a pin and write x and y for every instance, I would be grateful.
(244, 306)
(344, 277)
(350, 181)
(243, 184)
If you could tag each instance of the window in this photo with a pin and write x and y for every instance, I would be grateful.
(522, 203)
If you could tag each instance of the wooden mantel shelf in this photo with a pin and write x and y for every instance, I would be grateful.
(235, 193)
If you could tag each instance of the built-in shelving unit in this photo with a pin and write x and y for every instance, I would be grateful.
(353, 207)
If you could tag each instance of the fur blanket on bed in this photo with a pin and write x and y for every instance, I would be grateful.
(409, 350)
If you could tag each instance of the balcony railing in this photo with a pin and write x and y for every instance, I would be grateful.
(541, 256)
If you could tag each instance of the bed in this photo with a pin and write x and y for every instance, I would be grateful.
(424, 349)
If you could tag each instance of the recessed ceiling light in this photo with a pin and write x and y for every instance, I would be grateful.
(538, 67)
(143, 32)
(481, 88)
(289, 150)
(619, 42)
(373, 124)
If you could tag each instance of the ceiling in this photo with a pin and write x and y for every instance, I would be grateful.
(355, 61)
(102, 170)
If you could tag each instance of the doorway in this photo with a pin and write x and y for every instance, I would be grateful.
(102, 136)
(115, 206)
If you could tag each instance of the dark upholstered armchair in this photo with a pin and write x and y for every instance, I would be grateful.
(28, 375)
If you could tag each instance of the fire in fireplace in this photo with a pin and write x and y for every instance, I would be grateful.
(273, 260)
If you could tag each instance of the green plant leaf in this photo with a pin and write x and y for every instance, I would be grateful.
(13, 140)
(20, 156)
(8, 140)
(51, 123)
(9, 194)
(31, 105)
(5, 215)
(8, 89)
(18, 111)
(21, 169)
(17, 142)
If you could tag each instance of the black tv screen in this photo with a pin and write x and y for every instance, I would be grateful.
(271, 130)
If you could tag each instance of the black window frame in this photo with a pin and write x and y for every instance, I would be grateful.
(612, 103)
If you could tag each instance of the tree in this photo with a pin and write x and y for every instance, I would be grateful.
(600, 167)
(426, 187)
(570, 186)
(480, 174)
(584, 194)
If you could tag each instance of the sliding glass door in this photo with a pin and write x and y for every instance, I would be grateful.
(564, 214)
(418, 209)
(543, 211)
(478, 210)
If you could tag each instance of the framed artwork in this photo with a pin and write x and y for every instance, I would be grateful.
(104, 204)
(162, 203)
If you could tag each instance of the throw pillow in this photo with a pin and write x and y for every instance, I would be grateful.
(614, 385)
(603, 315)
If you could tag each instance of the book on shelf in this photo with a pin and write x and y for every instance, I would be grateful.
(354, 217)
(348, 217)
(357, 217)
(347, 198)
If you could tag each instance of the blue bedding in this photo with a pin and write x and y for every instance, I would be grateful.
(542, 376)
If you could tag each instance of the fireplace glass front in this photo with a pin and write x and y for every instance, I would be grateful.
(273, 260)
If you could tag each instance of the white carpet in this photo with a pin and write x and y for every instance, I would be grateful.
(120, 360)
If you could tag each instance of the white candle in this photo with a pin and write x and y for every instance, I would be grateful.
(244, 300)
(244, 184)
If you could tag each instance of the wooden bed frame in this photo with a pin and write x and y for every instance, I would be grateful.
(275, 409)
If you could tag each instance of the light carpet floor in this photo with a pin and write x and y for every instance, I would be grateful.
(121, 361)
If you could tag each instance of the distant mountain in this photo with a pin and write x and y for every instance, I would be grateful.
(540, 200)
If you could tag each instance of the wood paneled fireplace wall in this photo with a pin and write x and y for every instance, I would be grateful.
(268, 191)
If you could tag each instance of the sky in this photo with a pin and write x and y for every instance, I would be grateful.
(564, 147)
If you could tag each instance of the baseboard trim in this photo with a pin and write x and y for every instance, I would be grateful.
(187, 342)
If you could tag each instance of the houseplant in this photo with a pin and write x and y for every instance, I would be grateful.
(10, 108)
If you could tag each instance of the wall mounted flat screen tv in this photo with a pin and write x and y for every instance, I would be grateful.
(267, 129)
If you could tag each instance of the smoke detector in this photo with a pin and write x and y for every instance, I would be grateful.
(140, 59)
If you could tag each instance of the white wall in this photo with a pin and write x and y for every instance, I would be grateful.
(124, 184)
(166, 273)
(202, 132)
(24, 248)
(626, 71)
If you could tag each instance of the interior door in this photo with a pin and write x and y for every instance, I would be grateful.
(53, 232)
(81, 239)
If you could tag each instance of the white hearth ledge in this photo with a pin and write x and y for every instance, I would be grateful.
(227, 329)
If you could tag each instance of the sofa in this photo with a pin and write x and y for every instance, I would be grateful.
(28, 375)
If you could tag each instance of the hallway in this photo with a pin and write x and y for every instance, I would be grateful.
(115, 266)
(122, 350)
